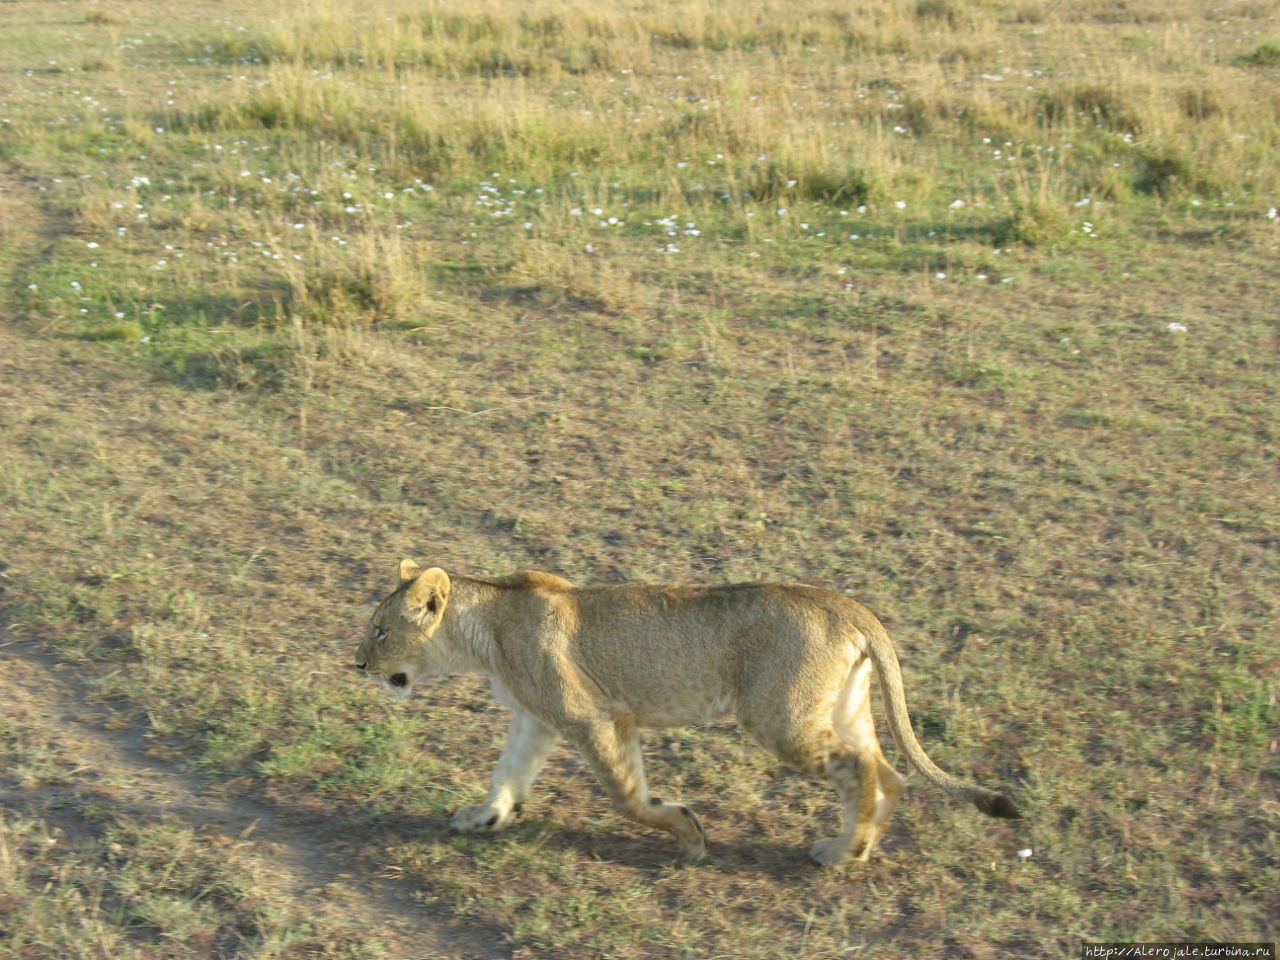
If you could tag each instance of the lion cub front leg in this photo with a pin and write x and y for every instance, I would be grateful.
(529, 742)
(613, 749)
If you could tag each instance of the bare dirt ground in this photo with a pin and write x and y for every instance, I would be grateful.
(305, 864)
(308, 866)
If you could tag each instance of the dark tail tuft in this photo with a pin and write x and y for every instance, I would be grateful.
(997, 805)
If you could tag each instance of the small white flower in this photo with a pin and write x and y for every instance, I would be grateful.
(1025, 853)
(940, 275)
(782, 211)
(957, 204)
(900, 204)
(1176, 327)
(92, 245)
(1084, 202)
(1273, 213)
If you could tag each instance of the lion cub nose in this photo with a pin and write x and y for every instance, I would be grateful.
(398, 680)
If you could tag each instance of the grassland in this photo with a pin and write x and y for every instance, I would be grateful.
(968, 308)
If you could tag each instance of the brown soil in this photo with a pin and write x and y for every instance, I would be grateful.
(309, 867)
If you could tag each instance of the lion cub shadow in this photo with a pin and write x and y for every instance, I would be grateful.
(613, 841)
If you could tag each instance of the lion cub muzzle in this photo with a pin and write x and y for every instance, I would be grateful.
(399, 681)
(396, 679)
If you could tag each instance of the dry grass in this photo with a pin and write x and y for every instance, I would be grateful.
(965, 307)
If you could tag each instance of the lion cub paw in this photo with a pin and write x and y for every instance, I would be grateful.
(481, 818)
(692, 848)
(829, 852)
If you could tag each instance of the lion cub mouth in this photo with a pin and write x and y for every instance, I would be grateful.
(398, 684)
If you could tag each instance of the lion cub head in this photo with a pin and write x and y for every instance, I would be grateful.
(397, 646)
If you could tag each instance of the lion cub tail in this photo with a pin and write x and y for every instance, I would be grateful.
(885, 658)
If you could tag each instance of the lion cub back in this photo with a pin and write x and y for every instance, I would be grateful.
(535, 580)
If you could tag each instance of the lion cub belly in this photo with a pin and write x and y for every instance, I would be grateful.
(684, 709)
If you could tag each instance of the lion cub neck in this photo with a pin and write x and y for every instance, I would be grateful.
(480, 611)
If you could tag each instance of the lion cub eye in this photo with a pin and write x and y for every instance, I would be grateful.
(379, 635)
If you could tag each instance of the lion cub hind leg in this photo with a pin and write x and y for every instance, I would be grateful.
(879, 786)
(612, 747)
(855, 777)
(529, 742)
(837, 743)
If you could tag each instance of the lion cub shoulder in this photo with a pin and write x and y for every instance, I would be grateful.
(535, 580)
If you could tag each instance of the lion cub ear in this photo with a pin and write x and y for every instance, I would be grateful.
(409, 570)
(430, 591)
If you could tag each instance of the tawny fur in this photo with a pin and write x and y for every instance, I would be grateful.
(594, 665)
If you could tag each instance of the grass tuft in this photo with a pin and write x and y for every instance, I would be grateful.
(1265, 54)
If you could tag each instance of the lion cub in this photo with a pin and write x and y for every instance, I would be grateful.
(595, 664)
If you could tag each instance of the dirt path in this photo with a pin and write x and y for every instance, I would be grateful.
(305, 867)
(298, 864)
